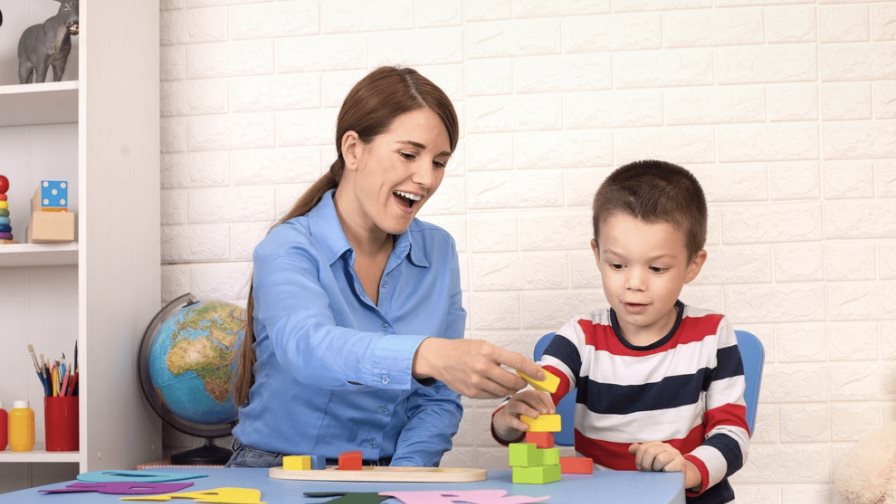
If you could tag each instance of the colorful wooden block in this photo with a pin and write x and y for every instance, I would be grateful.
(550, 456)
(296, 463)
(549, 384)
(541, 439)
(53, 195)
(536, 475)
(523, 455)
(4, 204)
(350, 461)
(576, 465)
(544, 423)
(318, 462)
(51, 227)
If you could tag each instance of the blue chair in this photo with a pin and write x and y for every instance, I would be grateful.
(751, 353)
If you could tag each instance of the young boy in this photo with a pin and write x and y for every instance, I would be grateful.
(660, 384)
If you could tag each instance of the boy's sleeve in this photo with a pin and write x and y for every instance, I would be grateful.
(727, 441)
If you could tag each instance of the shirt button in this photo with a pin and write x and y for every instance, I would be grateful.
(385, 284)
(372, 443)
(384, 379)
(385, 325)
(384, 410)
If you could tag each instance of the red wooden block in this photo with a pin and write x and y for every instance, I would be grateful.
(541, 439)
(576, 465)
(350, 461)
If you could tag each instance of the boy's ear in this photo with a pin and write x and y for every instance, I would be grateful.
(595, 250)
(695, 265)
(351, 149)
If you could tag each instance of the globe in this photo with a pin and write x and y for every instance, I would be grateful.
(187, 368)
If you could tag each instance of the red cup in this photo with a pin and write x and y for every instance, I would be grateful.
(61, 423)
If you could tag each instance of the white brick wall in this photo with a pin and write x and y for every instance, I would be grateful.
(784, 109)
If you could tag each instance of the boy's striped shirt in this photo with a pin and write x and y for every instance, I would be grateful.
(686, 390)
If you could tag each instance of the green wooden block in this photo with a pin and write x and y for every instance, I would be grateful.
(523, 455)
(550, 456)
(536, 475)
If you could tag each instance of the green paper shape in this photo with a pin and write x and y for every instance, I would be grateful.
(348, 497)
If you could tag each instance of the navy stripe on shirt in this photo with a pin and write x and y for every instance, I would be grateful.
(729, 449)
(565, 350)
(670, 392)
(728, 363)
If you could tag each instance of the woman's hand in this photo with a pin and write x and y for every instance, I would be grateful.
(659, 456)
(531, 403)
(473, 368)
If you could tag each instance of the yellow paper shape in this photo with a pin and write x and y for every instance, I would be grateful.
(222, 495)
(549, 384)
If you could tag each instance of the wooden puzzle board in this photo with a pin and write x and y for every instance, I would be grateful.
(385, 474)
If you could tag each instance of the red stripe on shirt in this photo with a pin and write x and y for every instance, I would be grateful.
(726, 414)
(697, 328)
(692, 329)
(616, 456)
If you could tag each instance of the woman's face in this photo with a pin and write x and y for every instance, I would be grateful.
(397, 172)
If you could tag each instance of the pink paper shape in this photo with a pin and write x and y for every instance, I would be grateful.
(496, 496)
(122, 488)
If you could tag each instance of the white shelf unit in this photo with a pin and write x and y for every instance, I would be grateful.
(100, 132)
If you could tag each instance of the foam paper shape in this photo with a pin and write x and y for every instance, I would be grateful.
(136, 476)
(222, 495)
(496, 496)
(348, 497)
(121, 488)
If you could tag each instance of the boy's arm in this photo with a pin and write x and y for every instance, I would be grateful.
(726, 445)
(561, 359)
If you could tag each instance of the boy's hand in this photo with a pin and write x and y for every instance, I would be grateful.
(659, 456)
(473, 368)
(532, 403)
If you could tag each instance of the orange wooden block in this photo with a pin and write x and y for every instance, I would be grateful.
(576, 465)
(350, 461)
(541, 439)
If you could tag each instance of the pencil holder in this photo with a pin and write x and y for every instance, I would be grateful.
(61, 423)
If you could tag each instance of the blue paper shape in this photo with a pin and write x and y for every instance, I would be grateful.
(136, 476)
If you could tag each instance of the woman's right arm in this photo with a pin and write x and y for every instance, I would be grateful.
(294, 310)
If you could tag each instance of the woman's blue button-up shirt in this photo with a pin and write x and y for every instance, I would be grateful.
(333, 370)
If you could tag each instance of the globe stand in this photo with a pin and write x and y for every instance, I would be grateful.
(209, 454)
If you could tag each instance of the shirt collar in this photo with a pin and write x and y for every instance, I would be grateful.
(327, 232)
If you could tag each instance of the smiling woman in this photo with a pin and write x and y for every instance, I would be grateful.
(355, 328)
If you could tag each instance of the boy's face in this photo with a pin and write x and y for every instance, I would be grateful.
(644, 266)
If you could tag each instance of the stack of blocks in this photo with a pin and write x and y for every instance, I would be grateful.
(50, 219)
(5, 222)
(536, 460)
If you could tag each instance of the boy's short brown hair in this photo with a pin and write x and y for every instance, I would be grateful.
(655, 191)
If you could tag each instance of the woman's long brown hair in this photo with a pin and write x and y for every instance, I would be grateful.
(368, 110)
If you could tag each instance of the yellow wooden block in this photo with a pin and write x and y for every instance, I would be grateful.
(297, 462)
(549, 384)
(544, 423)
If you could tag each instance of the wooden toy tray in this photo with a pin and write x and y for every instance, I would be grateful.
(385, 474)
